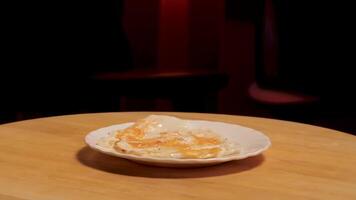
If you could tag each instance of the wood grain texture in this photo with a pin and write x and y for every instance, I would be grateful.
(46, 159)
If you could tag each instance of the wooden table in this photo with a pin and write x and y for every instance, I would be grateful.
(46, 159)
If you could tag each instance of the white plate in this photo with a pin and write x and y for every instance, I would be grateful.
(251, 142)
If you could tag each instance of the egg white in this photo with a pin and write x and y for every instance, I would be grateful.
(153, 126)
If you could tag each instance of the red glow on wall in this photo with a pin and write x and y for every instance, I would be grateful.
(173, 34)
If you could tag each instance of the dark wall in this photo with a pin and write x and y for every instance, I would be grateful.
(60, 43)
(50, 48)
(64, 37)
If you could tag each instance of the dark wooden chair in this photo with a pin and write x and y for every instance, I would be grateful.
(285, 84)
(185, 90)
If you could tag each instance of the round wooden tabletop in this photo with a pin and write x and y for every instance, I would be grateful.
(46, 159)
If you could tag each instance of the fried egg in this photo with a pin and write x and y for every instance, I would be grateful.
(168, 137)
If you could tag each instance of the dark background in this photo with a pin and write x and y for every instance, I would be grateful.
(195, 55)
